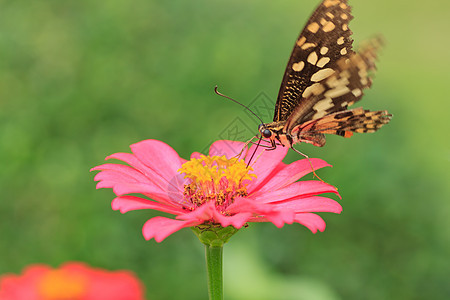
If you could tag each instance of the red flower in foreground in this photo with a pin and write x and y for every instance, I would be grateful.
(217, 189)
(74, 281)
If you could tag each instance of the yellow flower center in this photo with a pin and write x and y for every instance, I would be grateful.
(62, 285)
(215, 178)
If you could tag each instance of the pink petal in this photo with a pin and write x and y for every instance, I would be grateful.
(128, 203)
(121, 172)
(120, 181)
(263, 165)
(134, 162)
(202, 213)
(227, 148)
(208, 212)
(288, 174)
(296, 189)
(249, 205)
(114, 176)
(159, 227)
(237, 221)
(276, 220)
(161, 159)
(121, 189)
(311, 204)
(269, 212)
(280, 217)
(312, 221)
(196, 155)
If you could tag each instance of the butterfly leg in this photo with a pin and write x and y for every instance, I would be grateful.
(268, 148)
(273, 146)
(307, 157)
(250, 141)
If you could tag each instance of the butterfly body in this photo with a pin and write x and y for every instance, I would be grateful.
(323, 77)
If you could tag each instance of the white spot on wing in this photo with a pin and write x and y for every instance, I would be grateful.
(337, 91)
(328, 27)
(323, 61)
(312, 58)
(328, 3)
(342, 80)
(340, 40)
(343, 51)
(308, 45)
(319, 115)
(356, 92)
(313, 27)
(362, 73)
(323, 105)
(301, 41)
(323, 50)
(315, 89)
(297, 67)
(322, 74)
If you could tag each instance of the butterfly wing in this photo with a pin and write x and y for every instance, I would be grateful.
(324, 40)
(343, 87)
(342, 123)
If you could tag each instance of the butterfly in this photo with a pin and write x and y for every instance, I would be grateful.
(323, 77)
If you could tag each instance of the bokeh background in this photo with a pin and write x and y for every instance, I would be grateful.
(83, 79)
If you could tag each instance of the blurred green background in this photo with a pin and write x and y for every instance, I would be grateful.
(83, 79)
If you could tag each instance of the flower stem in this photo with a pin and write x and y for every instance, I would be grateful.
(214, 269)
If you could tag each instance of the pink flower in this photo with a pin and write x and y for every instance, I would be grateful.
(73, 280)
(217, 189)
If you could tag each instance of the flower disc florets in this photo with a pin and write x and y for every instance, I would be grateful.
(61, 284)
(70, 281)
(215, 178)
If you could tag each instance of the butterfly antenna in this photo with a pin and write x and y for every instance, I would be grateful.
(257, 145)
(220, 94)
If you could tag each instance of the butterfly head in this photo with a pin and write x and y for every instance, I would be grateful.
(265, 132)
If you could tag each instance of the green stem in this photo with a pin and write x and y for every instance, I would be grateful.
(214, 269)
